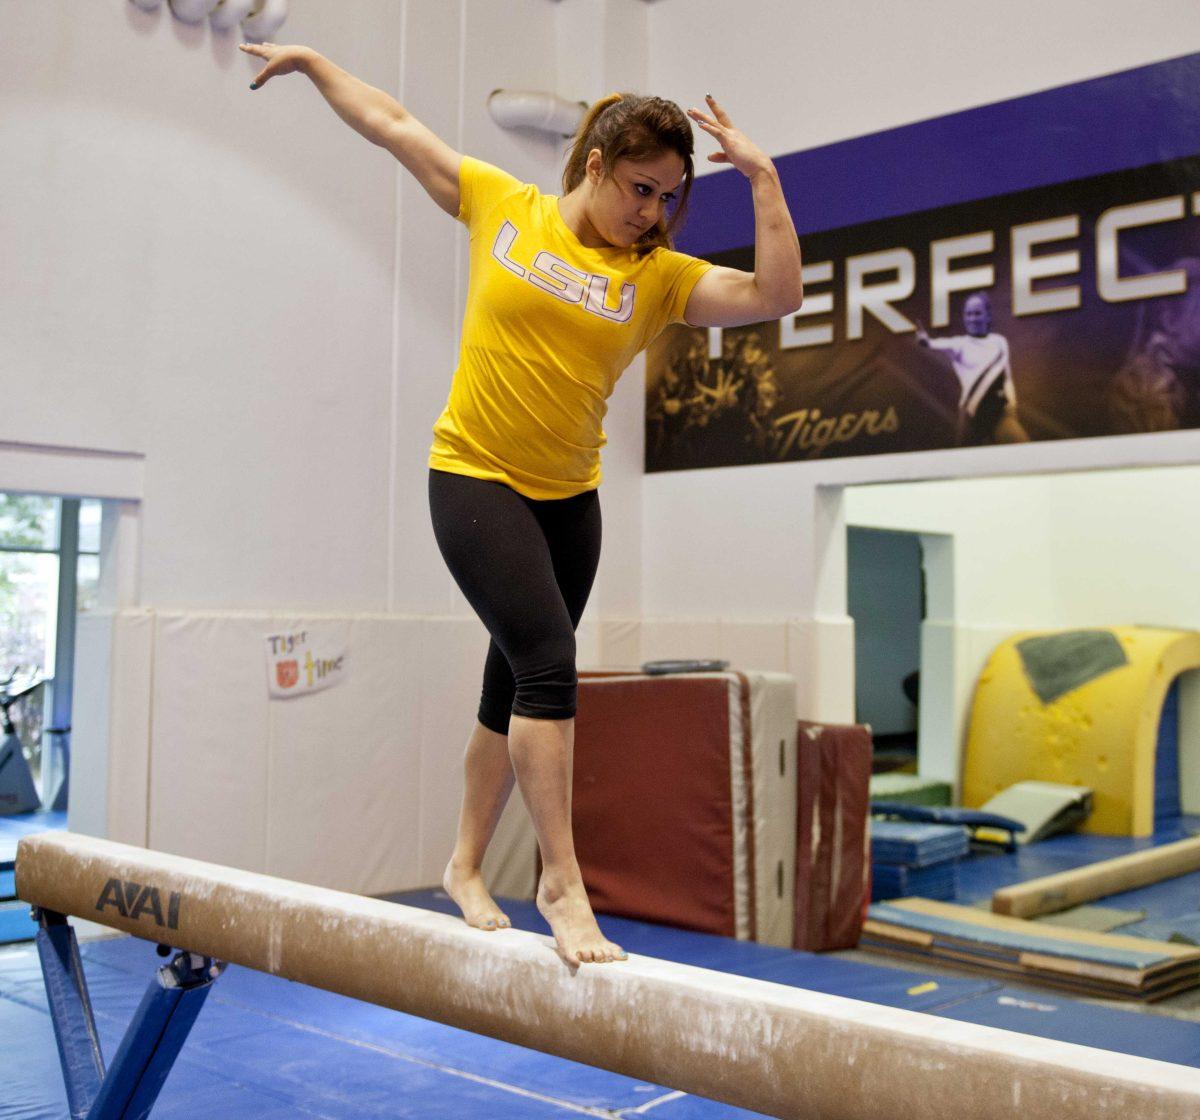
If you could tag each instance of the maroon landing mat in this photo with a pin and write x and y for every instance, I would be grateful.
(654, 814)
(833, 855)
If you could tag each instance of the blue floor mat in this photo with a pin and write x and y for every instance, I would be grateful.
(15, 923)
(13, 827)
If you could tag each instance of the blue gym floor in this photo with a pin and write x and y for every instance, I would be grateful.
(14, 917)
(267, 1048)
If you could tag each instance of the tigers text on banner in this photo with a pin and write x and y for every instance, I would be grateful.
(304, 661)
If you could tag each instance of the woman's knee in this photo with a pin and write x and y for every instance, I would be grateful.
(546, 678)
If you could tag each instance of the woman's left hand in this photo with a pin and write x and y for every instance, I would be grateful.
(736, 148)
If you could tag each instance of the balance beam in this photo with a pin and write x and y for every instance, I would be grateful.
(782, 1051)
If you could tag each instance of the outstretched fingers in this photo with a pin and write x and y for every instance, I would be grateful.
(261, 50)
(718, 112)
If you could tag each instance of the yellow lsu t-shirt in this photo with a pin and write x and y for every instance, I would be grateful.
(550, 325)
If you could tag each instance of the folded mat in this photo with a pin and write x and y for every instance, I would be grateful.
(833, 852)
(1044, 808)
(915, 844)
(895, 880)
(1101, 964)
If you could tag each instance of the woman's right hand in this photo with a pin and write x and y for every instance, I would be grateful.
(280, 60)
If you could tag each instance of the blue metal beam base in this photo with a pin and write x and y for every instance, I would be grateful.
(157, 1032)
(71, 1012)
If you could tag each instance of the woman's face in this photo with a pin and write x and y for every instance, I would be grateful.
(631, 200)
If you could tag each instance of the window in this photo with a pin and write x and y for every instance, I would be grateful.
(49, 565)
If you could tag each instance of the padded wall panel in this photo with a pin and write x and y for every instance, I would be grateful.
(664, 638)
(761, 644)
(87, 810)
(1101, 732)
(587, 642)
(91, 743)
(820, 656)
(356, 787)
(208, 782)
(343, 787)
(449, 662)
(131, 676)
(621, 642)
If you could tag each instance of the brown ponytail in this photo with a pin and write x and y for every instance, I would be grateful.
(630, 126)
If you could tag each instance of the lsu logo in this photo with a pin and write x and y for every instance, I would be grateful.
(287, 673)
(132, 900)
(554, 275)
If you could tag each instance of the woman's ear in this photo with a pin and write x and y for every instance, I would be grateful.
(594, 166)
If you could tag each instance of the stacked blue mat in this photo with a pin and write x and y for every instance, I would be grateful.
(910, 858)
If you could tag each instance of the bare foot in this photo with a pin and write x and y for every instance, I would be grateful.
(573, 924)
(470, 895)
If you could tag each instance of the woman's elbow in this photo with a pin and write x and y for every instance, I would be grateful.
(788, 302)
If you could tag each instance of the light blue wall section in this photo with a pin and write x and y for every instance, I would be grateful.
(884, 599)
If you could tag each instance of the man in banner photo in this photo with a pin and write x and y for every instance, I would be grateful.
(981, 361)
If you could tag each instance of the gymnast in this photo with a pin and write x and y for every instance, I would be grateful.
(564, 292)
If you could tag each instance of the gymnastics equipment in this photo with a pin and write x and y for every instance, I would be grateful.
(1081, 708)
(707, 759)
(984, 828)
(1109, 965)
(782, 1051)
(18, 794)
(1044, 808)
(1052, 893)
(833, 847)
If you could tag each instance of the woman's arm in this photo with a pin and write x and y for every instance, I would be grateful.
(374, 115)
(728, 297)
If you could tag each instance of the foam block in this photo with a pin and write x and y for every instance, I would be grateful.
(685, 799)
(916, 845)
(895, 880)
(1098, 728)
(833, 864)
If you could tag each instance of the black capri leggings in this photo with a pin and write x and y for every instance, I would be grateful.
(526, 567)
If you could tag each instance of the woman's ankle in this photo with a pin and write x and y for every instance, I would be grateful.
(555, 882)
(464, 866)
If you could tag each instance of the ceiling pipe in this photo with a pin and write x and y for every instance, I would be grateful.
(542, 112)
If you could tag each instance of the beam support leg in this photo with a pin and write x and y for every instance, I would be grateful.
(154, 1038)
(70, 1011)
(157, 1032)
